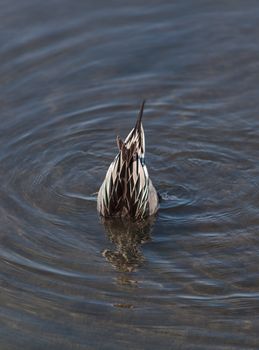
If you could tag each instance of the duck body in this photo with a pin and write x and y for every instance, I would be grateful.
(127, 190)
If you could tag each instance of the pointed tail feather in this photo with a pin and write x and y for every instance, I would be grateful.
(138, 123)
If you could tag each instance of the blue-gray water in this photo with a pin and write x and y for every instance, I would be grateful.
(72, 76)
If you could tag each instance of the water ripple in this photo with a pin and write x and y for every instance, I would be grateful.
(72, 78)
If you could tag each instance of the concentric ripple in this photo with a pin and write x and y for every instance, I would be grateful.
(72, 78)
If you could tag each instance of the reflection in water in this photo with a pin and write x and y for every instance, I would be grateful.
(69, 75)
(127, 236)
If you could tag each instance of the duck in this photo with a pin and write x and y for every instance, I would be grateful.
(127, 190)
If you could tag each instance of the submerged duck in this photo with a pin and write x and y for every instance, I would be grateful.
(127, 191)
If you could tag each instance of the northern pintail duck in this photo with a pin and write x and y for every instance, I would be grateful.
(127, 190)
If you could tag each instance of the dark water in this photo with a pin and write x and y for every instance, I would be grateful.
(72, 76)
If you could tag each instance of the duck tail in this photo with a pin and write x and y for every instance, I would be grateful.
(137, 127)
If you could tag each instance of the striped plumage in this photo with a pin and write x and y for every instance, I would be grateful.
(127, 190)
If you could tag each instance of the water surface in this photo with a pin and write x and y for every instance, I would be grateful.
(72, 77)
